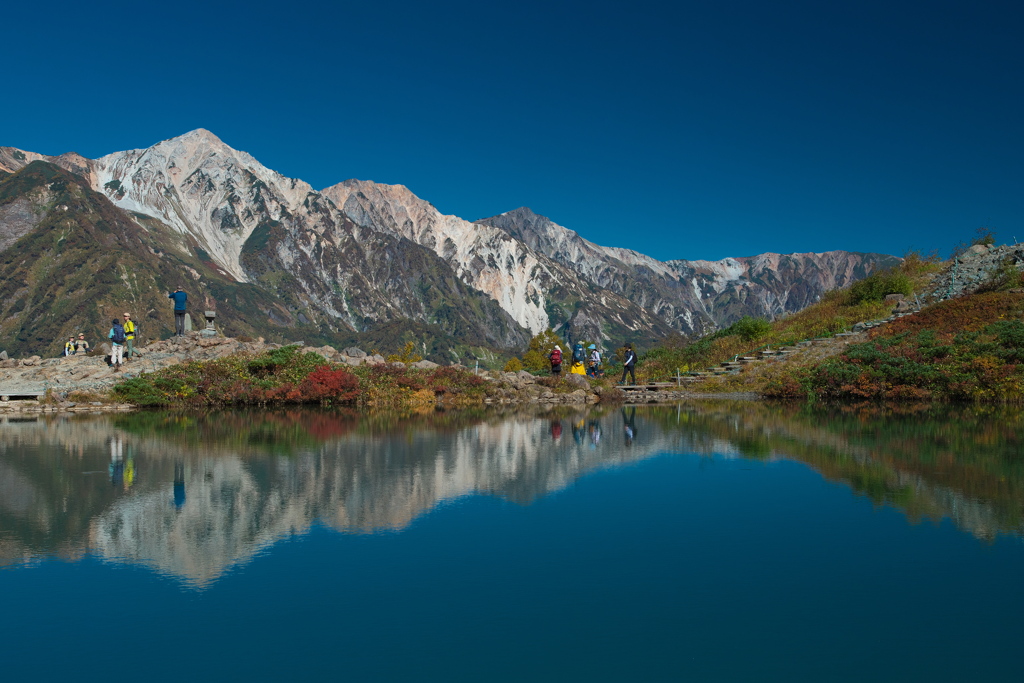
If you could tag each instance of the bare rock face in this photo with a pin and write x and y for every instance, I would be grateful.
(360, 255)
(695, 296)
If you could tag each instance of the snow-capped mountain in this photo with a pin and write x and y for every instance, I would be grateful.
(360, 254)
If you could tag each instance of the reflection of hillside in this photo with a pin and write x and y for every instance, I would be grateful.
(961, 462)
(192, 495)
(246, 487)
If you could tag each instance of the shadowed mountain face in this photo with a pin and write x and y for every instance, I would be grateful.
(280, 259)
(193, 495)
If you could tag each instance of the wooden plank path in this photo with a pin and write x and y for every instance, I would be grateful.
(20, 394)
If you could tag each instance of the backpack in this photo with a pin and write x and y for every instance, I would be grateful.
(577, 352)
(556, 357)
(118, 337)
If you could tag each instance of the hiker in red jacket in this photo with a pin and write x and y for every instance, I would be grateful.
(556, 360)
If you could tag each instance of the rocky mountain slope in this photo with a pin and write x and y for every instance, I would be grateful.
(695, 296)
(359, 258)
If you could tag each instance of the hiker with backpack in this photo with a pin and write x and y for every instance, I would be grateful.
(594, 370)
(69, 347)
(130, 330)
(628, 364)
(117, 340)
(556, 360)
(578, 356)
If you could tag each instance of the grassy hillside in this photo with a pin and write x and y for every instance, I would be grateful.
(837, 311)
(970, 348)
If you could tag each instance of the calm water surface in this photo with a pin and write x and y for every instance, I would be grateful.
(704, 542)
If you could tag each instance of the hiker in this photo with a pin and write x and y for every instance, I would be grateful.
(69, 346)
(180, 297)
(129, 336)
(556, 360)
(81, 346)
(595, 362)
(627, 365)
(117, 340)
(578, 356)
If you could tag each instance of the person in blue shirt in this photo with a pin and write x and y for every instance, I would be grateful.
(180, 298)
(117, 339)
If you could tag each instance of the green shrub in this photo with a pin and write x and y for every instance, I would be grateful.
(878, 285)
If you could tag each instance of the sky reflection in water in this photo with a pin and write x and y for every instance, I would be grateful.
(712, 542)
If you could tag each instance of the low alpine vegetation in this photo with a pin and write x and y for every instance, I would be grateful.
(288, 376)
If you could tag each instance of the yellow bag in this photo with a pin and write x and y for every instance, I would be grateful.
(578, 369)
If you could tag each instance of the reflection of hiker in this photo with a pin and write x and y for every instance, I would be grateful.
(117, 340)
(179, 484)
(629, 424)
(595, 433)
(556, 360)
(594, 370)
(116, 467)
(180, 298)
(556, 430)
(81, 346)
(69, 346)
(129, 336)
(627, 365)
(577, 430)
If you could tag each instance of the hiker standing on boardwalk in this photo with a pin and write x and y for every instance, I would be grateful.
(129, 336)
(180, 297)
(628, 364)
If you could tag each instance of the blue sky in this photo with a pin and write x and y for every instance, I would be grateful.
(683, 130)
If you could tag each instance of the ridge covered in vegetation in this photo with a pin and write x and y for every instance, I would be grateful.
(970, 348)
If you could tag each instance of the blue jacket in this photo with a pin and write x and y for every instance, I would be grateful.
(179, 300)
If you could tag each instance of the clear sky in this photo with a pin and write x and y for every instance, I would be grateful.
(680, 129)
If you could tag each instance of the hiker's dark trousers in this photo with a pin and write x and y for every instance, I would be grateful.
(632, 375)
(179, 323)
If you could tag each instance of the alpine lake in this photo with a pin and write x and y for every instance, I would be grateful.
(705, 541)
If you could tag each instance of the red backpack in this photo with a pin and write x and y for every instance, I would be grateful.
(556, 357)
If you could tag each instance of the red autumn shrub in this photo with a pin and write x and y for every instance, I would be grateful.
(324, 384)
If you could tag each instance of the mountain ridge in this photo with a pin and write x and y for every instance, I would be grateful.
(343, 259)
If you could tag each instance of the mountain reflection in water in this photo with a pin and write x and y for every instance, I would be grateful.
(192, 495)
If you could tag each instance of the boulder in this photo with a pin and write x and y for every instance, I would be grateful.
(577, 381)
(375, 359)
(424, 365)
(326, 352)
(353, 352)
(3, 355)
(526, 377)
